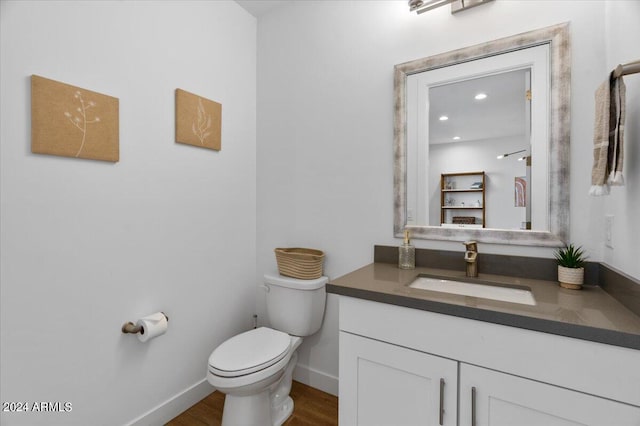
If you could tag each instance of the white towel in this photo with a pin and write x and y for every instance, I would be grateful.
(608, 136)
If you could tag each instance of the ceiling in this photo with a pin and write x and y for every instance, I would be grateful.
(261, 7)
(501, 114)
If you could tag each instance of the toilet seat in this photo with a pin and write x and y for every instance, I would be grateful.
(249, 352)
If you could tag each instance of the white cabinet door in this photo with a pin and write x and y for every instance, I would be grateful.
(383, 385)
(500, 399)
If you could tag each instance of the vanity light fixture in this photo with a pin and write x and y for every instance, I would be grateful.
(456, 138)
(499, 157)
(443, 118)
(480, 96)
(421, 6)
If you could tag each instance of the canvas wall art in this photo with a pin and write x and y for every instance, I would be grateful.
(521, 191)
(70, 121)
(198, 121)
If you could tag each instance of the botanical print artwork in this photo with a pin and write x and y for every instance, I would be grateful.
(73, 122)
(521, 191)
(198, 120)
(81, 120)
(201, 127)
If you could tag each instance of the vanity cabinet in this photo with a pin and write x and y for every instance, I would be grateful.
(462, 199)
(392, 360)
(491, 398)
(384, 384)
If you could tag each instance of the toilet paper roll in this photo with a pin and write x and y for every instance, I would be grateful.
(153, 325)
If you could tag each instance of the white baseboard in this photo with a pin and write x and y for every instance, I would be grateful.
(174, 406)
(316, 379)
(171, 408)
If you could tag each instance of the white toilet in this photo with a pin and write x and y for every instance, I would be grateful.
(254, 369)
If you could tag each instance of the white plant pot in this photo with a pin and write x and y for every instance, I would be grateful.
(571, 278)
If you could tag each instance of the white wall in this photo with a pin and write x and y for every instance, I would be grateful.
(623, 34)
(325, 126)
(89, 245)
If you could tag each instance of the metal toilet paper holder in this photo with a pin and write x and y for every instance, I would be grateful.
(129, 327)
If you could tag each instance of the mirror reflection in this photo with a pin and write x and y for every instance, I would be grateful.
(479, 154)
(481, 141)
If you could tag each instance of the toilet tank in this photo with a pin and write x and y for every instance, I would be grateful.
(295, 306)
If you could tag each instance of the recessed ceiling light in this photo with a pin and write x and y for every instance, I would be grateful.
(456, 138)
(481, 96)
(443, 118)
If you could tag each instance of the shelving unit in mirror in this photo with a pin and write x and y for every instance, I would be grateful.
(462, 200)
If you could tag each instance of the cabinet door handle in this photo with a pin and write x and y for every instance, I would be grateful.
(473, 406)
(441, 402)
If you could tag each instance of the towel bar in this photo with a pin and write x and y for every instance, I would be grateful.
(626, 69)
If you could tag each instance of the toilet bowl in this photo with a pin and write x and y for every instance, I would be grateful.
(255, 368)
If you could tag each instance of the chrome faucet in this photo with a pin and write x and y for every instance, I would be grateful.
(471, 258)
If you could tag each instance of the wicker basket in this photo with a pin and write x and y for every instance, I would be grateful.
(301, 263)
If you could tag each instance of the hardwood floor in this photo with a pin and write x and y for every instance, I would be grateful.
(312, 408)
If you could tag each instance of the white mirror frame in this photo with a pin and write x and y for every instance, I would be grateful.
(558, 39)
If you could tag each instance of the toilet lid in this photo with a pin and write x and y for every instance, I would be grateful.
(249, 352)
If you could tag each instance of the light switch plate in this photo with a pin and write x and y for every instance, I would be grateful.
(608, 230)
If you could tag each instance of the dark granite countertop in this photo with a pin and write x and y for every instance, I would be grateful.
(589, 314)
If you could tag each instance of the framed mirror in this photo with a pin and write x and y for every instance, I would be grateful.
(452, 179)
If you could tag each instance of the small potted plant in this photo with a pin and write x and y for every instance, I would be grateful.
(570, 267)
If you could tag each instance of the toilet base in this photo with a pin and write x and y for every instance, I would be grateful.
(247, 410)
(281, 402)
(258, 409)
(282, 413)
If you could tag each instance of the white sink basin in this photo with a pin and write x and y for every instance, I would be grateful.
(494, 292)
